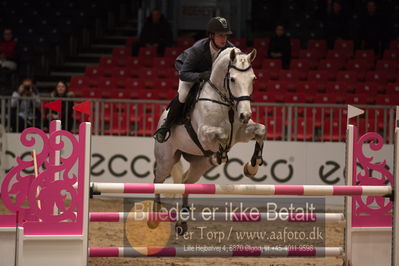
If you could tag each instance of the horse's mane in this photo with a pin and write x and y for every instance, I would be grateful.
(224, 54)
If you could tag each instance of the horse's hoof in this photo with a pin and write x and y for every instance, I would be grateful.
(152, 224)
(249, 170)
(181, 228)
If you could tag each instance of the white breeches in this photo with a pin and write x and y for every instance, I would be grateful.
(183, 90)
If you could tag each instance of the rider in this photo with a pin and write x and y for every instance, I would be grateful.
(194, 66)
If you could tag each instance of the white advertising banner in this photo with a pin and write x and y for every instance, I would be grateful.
(130, 159)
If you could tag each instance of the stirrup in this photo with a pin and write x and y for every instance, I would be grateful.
(162, 134)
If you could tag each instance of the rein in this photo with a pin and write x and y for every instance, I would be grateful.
(228, 101)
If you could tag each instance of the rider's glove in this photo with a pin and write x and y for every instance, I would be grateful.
(205, 75)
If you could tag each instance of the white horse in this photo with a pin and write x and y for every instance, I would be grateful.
(220, 118)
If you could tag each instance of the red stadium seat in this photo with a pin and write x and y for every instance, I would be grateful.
(295, 47)
(260, 85)
(108, 62)
(131, 40)
(347, 45)
(312, 54)
(338, 54)
(147, 125)
(274, 127)
(260, 96)
(90, 93)
(392, 89)
(271, 64)
(336, 87)
(167, 73)
(292, 75)
(294, 98)
(365, 54)
(303, 130)
(318, 45)
(106, 84)
(121, 52)
(394, 45)
(389, 65)
(350, 76)
(359, 64)
(307, 87)
(137, 62)
(184, 42)
(391, 54)
(134, 84)
(302, 64)
(333, 130)
(262, 74)
(385, 100)
(173, 52)
(331, 64)
(163, 62)
(357, 99)
(261, 43)
(378, 76)
(146, 52)
(147, 73)
(120, 72)
(118, 125)
(318, 75)
(239, 42)
(78, 82)
(279, 87)
(93, 71)
(368, 87)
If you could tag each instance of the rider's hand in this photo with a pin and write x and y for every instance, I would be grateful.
(205, 75)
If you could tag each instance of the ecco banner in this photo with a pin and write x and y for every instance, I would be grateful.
(130, 159)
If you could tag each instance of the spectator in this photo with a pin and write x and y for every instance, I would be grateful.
(156, 32)
(8, 50)
(336, 24)
(280, 46)
(372, 28)
(24, 102)
(61, 91)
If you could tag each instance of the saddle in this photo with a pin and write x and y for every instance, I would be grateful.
(188, 105)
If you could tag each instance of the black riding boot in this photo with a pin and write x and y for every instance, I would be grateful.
(163, 133)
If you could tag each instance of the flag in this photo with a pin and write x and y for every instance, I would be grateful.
(354, 111)
(84, 107)
(54, 105)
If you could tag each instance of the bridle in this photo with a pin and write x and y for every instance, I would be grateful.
(228, 100)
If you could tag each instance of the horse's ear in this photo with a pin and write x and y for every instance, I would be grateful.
(252, 56)
(233, 55)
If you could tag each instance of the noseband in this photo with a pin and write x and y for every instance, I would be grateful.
(229, 100)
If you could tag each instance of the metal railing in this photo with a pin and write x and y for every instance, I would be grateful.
(287, 122)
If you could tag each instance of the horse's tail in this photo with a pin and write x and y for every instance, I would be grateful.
(177, 173)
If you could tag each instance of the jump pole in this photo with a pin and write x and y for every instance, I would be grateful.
(234, 252)
(395, 214)
(264, 190)
(219, 216)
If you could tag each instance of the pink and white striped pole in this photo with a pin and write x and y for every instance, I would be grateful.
(266, 190)
(208, 251)
(217, 217)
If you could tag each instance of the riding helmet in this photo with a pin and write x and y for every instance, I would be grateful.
(219, 25)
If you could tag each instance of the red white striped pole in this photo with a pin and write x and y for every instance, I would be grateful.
(218, 216)
(209, 251)
(266, 190)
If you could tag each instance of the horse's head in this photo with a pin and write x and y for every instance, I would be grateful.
(239, 82)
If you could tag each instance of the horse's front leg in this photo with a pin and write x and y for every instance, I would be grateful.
(254, 131)
(215, 138)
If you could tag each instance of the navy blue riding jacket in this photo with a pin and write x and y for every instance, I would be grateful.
(195, 60)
